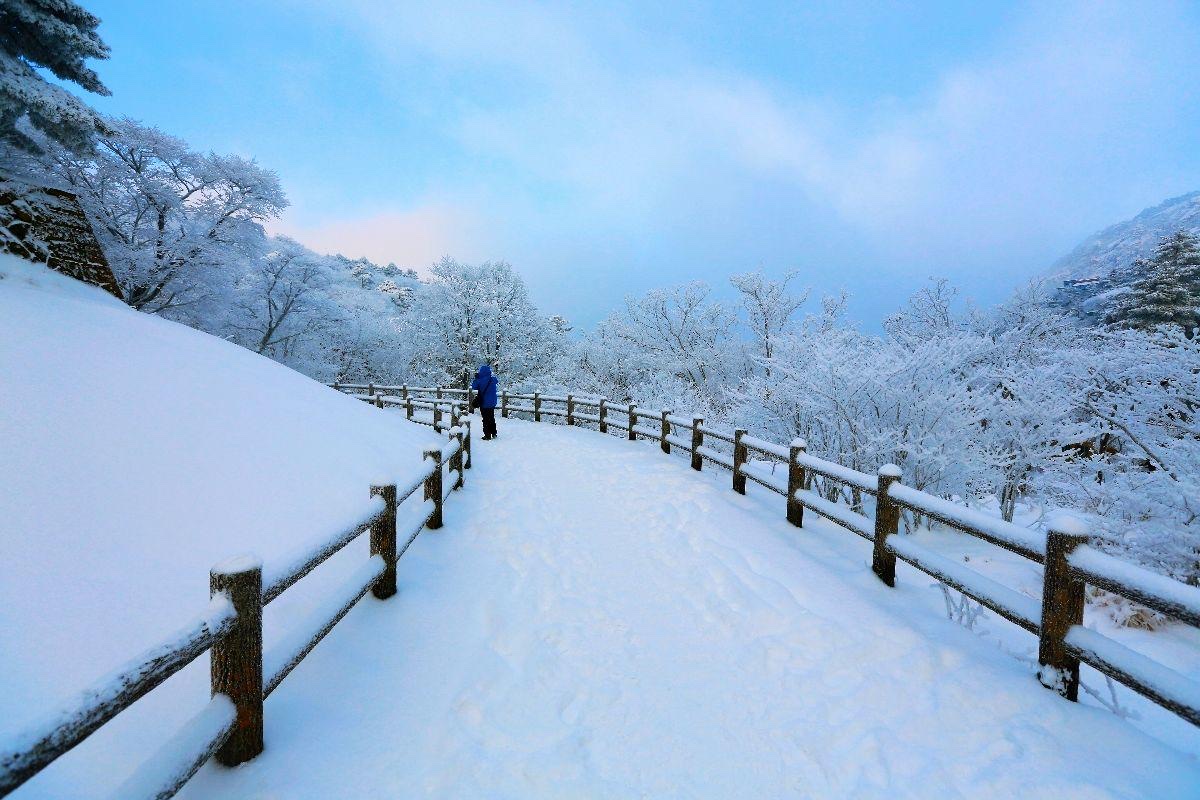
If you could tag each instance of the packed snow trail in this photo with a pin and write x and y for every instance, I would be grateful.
(598, 620)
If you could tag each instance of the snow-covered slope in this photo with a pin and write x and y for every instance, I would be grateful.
(1117, 246)
(134, 454)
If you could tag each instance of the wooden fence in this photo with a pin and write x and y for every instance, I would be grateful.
(242, 674)
(1069, 562)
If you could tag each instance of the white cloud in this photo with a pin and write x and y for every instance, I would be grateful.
(410, 238)
(581, 128)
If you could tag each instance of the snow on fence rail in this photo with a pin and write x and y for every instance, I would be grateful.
(1069, 563)
(231, 725)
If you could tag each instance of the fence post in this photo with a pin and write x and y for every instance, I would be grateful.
(570, 409)
(408, 406)
(337, 387)
(795, 509)
(666, 431)
(467, 442)
(603, 415)
(1062, 607)
(404, 391)
(697, 443)
(739, 459)
(504, 403)
(379, 401)
(632, 422)
(371, 389)
(437, 415)
(537, 406)
(235, 664)
(433, 488)
(887, 522)
(383, 541)
(437, 392)
(456, 461)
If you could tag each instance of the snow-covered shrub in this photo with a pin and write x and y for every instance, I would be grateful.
(1123, 611)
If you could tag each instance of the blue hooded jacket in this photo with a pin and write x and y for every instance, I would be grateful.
(485, 383)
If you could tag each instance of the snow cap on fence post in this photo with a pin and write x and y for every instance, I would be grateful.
(697, 443)
(433, 487)
(740, 454)
(666, 431)
(795, 508)
(383, 540)
(632, 422)
(603, 415)
(235, 661)
(887, 522)
(1062, 606)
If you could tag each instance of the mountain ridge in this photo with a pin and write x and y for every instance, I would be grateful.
(1120, 244)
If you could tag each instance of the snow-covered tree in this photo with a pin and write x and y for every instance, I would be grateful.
(1135, 465)
(1168, 291)
(176, 225)
(59, 36)
(670, 347)
(769, 307)
(559, 324)
(401, 296)
(473, 314)
(362, 271)
(928, 315)
(282, 298)
(866, 400)
(360, 336)
(1019, 395)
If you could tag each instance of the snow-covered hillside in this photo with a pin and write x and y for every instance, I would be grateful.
(136, 453)
(1093, 276)
(1117, 246)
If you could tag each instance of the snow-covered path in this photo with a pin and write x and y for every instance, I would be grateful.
(597, 620)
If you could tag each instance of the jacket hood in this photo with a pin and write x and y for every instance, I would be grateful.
(485, 371)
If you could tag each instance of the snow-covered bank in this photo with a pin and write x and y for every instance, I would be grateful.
(136, 453)
(597, 620)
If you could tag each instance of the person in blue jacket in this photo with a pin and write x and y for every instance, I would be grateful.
(485, 385)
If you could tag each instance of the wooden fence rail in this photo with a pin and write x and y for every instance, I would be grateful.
(1069, 563)
(231, 725)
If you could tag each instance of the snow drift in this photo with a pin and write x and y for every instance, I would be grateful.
(137, 453)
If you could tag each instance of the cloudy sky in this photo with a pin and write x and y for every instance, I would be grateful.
(606, 148)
